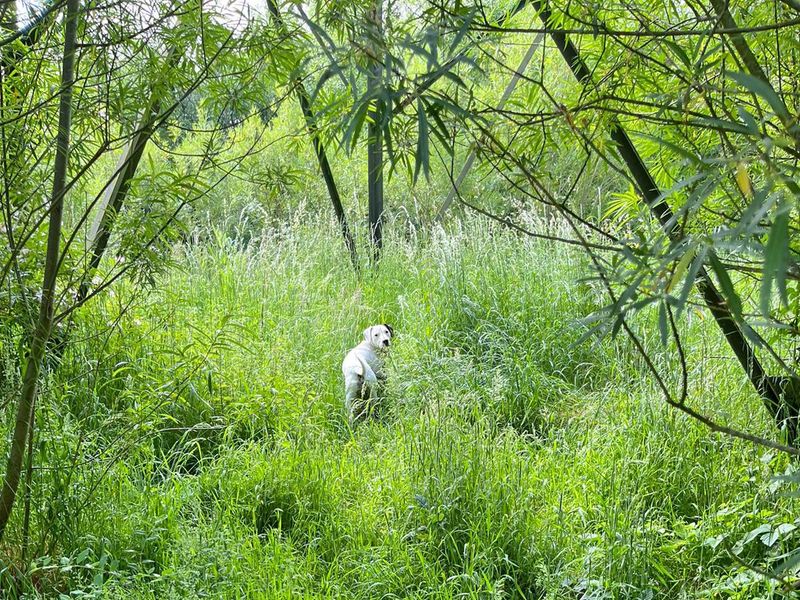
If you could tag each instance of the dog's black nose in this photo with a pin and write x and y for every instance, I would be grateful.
(385, 342)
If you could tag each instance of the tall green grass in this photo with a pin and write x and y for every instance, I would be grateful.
(194, 442)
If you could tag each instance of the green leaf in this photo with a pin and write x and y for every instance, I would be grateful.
(354, 128)
(762, 89)
(757, 532)
(680, 269)
(676, 148)
(423, 150)
(769, 539)
(776, 257)
(694, 269)
(679, 53)
(760, 204)
(452, 108)
(617, 325)
(439, 129)
(449, 74)
(721, 125)
(663, 326)
(462, 31)
(622, 206)
(326, 75)
(728, 290)
(790, 564)
(748, 120)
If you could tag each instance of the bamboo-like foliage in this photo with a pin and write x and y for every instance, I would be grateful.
(123, 78)
(681, 116)
(321, 153)
(719, 131)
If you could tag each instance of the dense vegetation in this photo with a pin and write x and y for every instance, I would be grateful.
(593, 391)
(214, 458)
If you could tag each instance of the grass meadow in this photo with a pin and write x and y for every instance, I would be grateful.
(204, 450)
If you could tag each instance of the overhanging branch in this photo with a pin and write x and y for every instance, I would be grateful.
(766, 386)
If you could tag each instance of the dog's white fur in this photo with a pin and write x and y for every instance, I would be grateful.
(363, 370)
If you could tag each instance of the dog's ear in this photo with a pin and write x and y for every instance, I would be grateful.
(390, 328)
(368, 334)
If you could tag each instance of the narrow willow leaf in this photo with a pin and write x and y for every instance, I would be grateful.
(721, 124)
(698, 196)
(354, 128)
(680, 269)
(728, 290)
(452, 108)
(439, 129)
(423, 150)
(640, 304)
(679, 150)
(391, 155)
(449, 74)
(622, 206)
(760, 204)
(776, 257)
(762, 89)
(432, 35)
(748, 120)
(462, 31)
(617, 325)
(599, 330)
(679, 53)
(751, 335)
(663, 326)
(694, 269)
(743, 180)
(326, 75)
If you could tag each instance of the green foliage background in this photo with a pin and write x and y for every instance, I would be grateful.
(190, 440)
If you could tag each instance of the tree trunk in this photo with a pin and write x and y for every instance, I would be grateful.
(322, 156)
(375, 132)
(327, 175)
(751, 62)
(45, 320)
(115, 193)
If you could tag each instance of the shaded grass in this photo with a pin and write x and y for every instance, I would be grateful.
(203, 450)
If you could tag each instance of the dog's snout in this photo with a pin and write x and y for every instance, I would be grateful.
(385, 342)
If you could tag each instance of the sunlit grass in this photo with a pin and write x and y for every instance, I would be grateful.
(214, 457)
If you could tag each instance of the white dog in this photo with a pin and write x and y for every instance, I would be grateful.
(363, 370)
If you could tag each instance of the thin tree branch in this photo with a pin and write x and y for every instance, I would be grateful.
(44, 324)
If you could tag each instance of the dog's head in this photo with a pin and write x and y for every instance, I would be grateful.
(379, 336)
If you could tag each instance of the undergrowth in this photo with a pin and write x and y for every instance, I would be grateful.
(195, 443)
